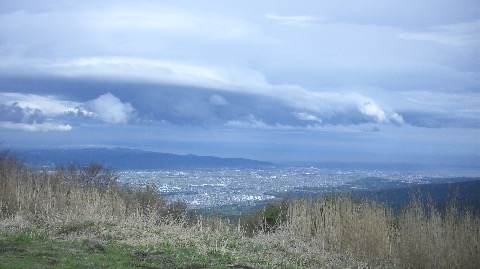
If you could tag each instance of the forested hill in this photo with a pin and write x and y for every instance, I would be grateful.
(131, 159)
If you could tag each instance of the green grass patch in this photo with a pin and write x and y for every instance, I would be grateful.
(76, 227)
(33, 249)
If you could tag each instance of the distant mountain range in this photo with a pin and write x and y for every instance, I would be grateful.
(130, 159)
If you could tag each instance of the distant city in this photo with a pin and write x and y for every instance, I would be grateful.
(211, 182)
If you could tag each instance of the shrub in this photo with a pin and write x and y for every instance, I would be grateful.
(267, 219)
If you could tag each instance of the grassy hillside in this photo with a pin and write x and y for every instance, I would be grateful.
(81, 217)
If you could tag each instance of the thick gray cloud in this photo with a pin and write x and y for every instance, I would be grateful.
(269, 66)
(294, 107)
(42, 113)
(16, 113)
(313, 58)
(31, 112)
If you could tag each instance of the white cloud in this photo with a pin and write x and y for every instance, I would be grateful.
(306, 116)
(128, 68)
(218, 100)
(35, 127)
(303, 20)
(31, 112)
(462, 34)
(397, 119)
(372, 110)
(463, 105)
(114, 29)
(110, 109)
(173, 44)
(333, 104)
(50, 106)
(369, 108)
(164, 20)
(250, 122)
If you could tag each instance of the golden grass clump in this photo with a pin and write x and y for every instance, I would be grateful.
(362, 229)
(417, 237)
(78, 193)
(429, 238)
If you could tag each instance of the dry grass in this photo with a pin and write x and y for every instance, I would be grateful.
(362, 229)
(418, 237)
(429, 238)
(78, 193)
(329, 232)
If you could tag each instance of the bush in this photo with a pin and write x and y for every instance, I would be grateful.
(267, 219)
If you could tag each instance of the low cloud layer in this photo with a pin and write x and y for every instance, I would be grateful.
(35, 127)
(16, 113)
(47, 113)
(278, 106)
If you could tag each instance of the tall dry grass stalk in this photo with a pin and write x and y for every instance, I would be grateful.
(418, 237)
(78, 193)
(362, 229)
(429, 238)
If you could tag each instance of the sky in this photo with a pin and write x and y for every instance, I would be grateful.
(393, 82)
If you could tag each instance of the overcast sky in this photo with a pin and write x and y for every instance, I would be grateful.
(315, 81)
